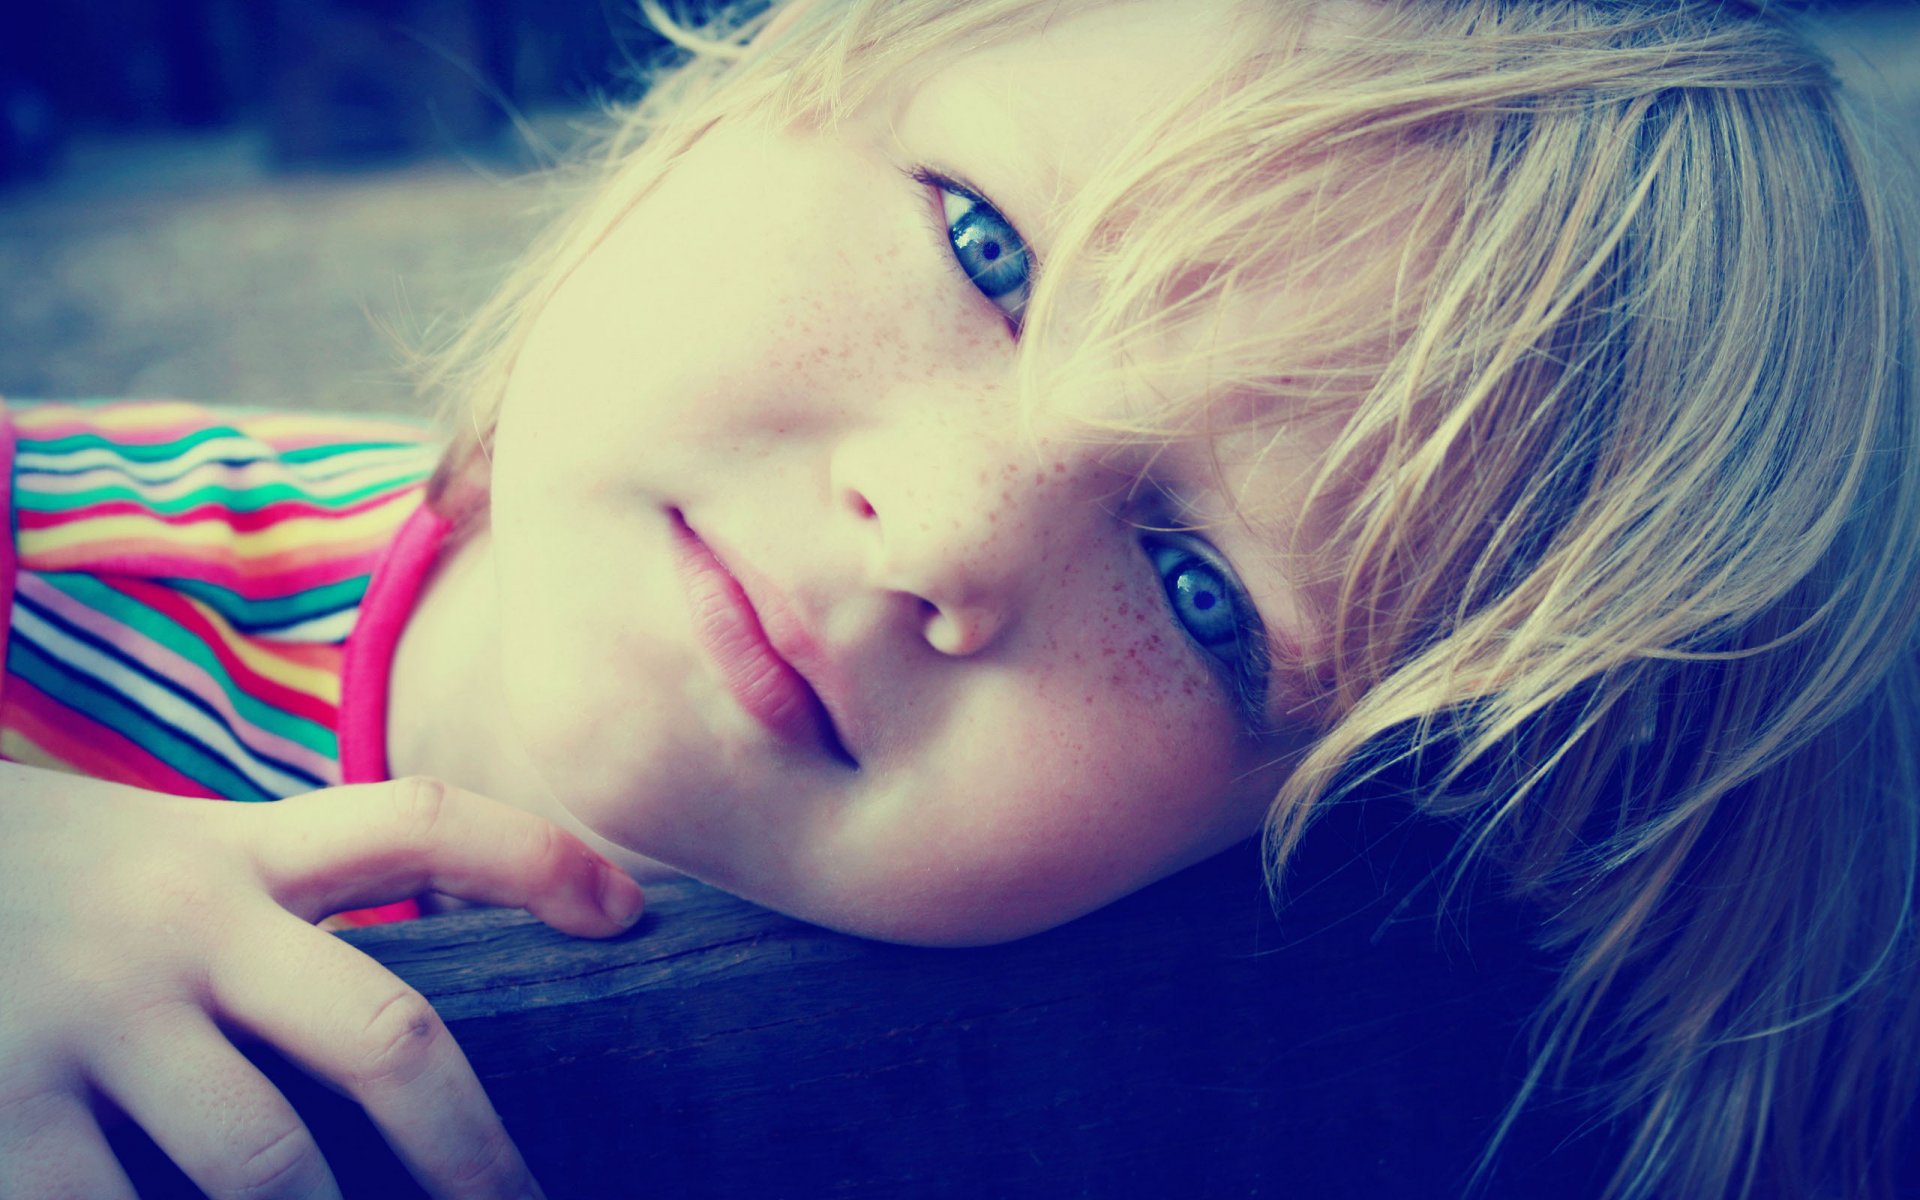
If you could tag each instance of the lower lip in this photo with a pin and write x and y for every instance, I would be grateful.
(763, 683)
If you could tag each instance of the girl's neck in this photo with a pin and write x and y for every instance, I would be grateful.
(445, 716)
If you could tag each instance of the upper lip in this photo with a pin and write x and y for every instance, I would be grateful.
(788, 635)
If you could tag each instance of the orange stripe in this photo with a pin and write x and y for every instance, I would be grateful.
(75, 743)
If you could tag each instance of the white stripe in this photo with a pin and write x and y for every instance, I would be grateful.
(215, 453)
(231, 479)
(235, 447)
(399, 460)
(334, 627)
(207, 682)
(164, 706)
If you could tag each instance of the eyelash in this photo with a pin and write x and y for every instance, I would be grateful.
(945, 221)
(1238, 656)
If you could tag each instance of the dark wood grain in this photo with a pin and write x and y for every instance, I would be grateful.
(1183, 1042)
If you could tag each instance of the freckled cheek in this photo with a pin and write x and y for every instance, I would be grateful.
(1122, 652)
(1122, 742)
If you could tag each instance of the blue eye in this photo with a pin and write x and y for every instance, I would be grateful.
(1209, 605)
(1204, 600)
(988, 248)
(985, 245)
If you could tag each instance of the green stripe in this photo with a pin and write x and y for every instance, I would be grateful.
(87, 590)
(154, 452)
(243, 500)
(251, 613)
(146, 452)
(103, 706)
(314, 454)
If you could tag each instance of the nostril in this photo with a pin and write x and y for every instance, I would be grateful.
(959, 630)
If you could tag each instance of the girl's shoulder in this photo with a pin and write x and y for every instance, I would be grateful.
(180, 584)
(185, 434)
(249, 501)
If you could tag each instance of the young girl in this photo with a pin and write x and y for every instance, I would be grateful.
(971, 460)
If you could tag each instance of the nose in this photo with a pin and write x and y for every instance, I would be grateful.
(959, 525)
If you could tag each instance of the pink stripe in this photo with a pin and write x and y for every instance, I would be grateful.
(57, 421)
(178, 670)
(367, 672)
(263, 473)
(365, 677)
(9, 561)
(307, 506)
(217, 636)
(89, 748)
(385, 914)
(297, 569)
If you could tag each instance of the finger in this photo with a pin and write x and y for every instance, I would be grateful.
(349, 1021)
(370, 843)
(51, 1146)
(213, 1113)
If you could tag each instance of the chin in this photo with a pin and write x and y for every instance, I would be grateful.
(954, 914)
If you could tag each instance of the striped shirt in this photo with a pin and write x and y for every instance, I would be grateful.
(205, 602)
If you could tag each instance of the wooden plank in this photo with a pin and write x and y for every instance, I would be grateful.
(1184, 1041)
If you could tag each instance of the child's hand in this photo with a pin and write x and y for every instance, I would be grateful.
(137, 930)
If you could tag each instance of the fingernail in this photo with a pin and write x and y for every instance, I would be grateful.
(620, 897)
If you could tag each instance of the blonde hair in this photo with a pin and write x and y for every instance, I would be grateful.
(1617, 549)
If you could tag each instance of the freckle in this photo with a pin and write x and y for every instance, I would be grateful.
(1059, 468)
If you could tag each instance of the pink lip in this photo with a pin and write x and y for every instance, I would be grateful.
(763, 683)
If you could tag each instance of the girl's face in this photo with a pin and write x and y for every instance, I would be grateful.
(789, 600)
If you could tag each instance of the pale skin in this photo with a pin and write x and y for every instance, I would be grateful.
(1036, 733)
(126, 969)
(1036, 727)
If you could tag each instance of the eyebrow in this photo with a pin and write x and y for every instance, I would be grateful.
(1003, 161)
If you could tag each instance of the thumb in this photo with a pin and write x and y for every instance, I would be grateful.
(370, 843)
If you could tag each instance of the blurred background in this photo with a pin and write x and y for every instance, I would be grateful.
(265, 201)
